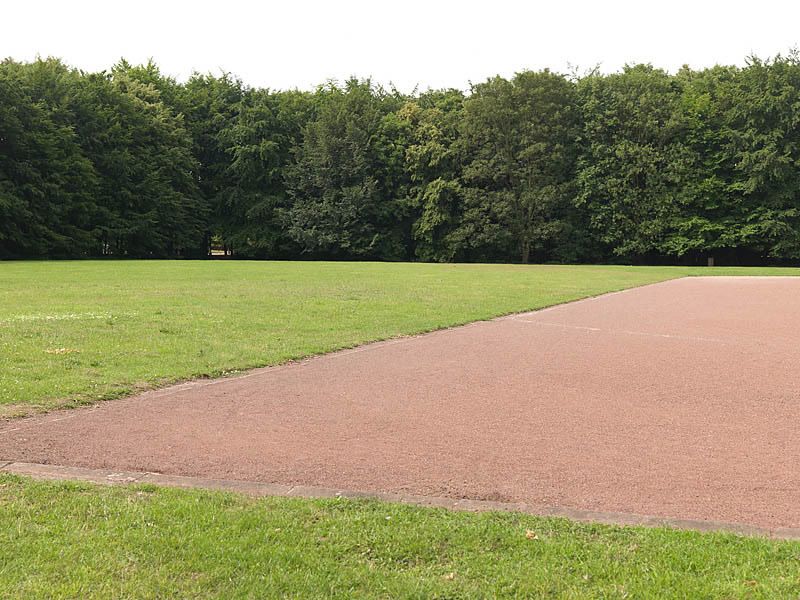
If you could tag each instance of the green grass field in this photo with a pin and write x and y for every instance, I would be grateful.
(74, 332)
(84, 541)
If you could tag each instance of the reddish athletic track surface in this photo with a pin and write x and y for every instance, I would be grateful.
(680, 399)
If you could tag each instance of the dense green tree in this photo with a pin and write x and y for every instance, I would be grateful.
(253, 201)
(521, 138)
(338, 204)
(741, 201)
(143, 156)
(210, 106)
(706, 220)
(433, 163)
(635, 160)
(46, 184)
(763, 144)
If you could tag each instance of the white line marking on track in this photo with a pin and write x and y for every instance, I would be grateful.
(626, 332)
(76, 412)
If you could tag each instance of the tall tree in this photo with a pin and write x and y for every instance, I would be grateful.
(764, 145)
(635, 159)
(252, 201)
(706, 216)
(521, 138)
(433, 162)
(210, 106)
(338, 206)
(46, 183)
(143, 156)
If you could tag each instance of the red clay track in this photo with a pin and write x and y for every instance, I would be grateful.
(680, 399)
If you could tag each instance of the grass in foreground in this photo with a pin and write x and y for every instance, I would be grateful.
(81, 540)
(73, 332)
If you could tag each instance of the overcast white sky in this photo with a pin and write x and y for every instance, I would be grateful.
(428, 43)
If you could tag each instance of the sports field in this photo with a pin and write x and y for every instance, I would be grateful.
(77, 332)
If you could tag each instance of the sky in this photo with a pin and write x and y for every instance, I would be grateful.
(408, 43)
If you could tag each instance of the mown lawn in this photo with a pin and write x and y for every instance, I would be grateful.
(86, 541)
(75, 332)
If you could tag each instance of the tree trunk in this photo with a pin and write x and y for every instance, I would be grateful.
(526, 252)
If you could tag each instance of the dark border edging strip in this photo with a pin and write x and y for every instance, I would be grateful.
(252, 488)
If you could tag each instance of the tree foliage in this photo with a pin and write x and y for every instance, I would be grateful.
(521, 142)
(340, 204)
(639, 165)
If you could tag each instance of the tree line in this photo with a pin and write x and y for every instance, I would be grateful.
(639, 165)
